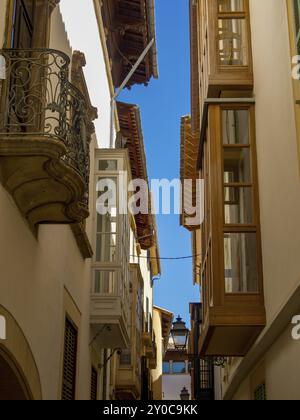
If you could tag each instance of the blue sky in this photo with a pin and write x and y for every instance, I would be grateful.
(162, 104)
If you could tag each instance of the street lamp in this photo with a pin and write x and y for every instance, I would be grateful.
(180, 334)
(184, 395)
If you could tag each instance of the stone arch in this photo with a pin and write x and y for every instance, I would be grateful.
(20, 377)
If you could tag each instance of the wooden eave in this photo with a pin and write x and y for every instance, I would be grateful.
(188, 164)
(132, 139)
(154, 251)
(197, 259)
(129, 27)
(166, 323)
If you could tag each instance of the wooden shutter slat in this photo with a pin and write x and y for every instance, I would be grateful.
(70, 362)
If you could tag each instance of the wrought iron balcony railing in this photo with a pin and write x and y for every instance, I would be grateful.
(37, 100)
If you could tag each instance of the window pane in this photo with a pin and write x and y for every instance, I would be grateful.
(238, 206)
(125, 358)
(231, 5)
(235, 126)
(108, 165)
(107, 196)
(106, 247)
(233, 43)
(237, 165)
(166, 368)
(104, 282)
(240, 257)
(106, 223)
(297, 15)
(179, 368)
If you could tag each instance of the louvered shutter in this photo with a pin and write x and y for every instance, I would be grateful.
(70, 361)
(260, 394)
(94, 384)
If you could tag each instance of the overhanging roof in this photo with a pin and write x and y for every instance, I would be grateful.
(166, 322)
(188, 168)
(154, 251)
(130, 26)
(132, 139)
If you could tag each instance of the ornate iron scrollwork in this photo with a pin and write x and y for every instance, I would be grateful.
(37, 99)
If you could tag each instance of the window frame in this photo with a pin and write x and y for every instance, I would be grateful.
(242, 15)
(243, 228)
(213, 283)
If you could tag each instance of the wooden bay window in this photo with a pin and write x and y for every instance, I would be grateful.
(232, 286)
(223, 48)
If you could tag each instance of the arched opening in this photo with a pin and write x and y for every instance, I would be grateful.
(19, 375)
(12, 386)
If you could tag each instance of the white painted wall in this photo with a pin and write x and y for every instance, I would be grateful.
(279, 186)
(157, 373)
(36, 271)
(279, 181)
(81, 24)
(148, 290)
(173, 385)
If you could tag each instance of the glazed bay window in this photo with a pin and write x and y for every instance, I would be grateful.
(106, 240)
(110, 308)
(240, 259)
(104, 282)
(232, 285)
(223, 47)
(232, 33)
(240, 248)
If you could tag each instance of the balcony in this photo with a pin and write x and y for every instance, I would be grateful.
(129, 27)
(128, 378)
(110, 294)
(148, 339)
(147, 332)
(110, 309)
(128, 385)
(153, 355)
(44, 147)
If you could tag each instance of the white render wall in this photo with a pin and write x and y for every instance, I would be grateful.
(81, 24)
(173, 385)
(34, 273)
(37, 272)
(279, 181)
(148, 290)
(279, 186)
(157, 373)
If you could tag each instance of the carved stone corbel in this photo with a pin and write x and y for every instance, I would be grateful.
(78, 80)
(52, 4)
